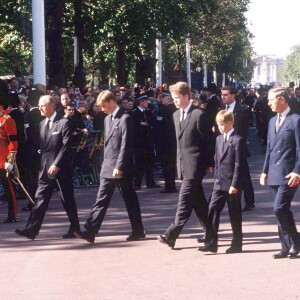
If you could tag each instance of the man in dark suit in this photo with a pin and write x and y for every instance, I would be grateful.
(117, 170)
(55, 170)
(241, 126)
(230, 156)
(144, 144)
(294, 103)
(166, 145)
(281, 170)
(32, 160)
(192, 160)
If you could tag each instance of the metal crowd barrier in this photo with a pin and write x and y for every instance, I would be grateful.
(87, 160)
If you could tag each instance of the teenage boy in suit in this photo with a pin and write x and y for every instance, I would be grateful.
(117, 170)
(230, 156)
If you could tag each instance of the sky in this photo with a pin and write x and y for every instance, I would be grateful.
(271, 21)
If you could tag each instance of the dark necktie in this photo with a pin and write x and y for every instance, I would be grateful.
(47, 127)
(227, 107)
(182, 118)
(278, 121)
(111, 117)
(224, 142)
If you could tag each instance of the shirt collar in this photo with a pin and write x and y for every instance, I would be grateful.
(186, 110)
(228, 134)
(51, 119)
(115, 112)
(142, 110)
(285, 112)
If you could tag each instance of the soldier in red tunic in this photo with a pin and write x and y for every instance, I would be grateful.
(8, 150)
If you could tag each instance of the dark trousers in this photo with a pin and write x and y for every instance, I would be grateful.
(105, 192)
(216, 205)
(10, 194)
(43, 196)
(247, 187)
(143, 160)
(167, 156)
(288, 235)
(191, 197)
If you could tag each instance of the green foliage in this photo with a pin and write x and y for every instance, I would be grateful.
(116, 32)
(291, 69)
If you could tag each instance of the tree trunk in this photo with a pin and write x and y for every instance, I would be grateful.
(56, 71)
(121, 64)
(79, 73)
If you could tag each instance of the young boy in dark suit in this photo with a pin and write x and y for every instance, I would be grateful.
(230, 155)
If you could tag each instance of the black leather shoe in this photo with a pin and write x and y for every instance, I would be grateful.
(9, 220)
(163, 239)
(294, 251)
(280, 254)
(248, 208)
(69, 235)
(168, 191)
(233, 249)
(201, 239)
(153, 186)
(135, 237)
(209, 248)
(85, 235)
(24, 234)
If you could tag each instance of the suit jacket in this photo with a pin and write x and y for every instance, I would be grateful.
(229, 161)
(18, 117)
(32, 129)
(143, 134)
(118, 146)
(212, 108)
(282, 153)
(241, 120)
(192, 141)
(56, 148)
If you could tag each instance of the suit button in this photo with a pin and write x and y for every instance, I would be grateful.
(278, 151)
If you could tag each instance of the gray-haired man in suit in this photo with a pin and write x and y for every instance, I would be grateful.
(282, 168)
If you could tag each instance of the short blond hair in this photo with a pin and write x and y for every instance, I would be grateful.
(181, 87)
(106, 96)
(225, 116)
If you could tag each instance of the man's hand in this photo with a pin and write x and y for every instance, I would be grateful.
(53, 170)
(209, 169)
(263, 179)
(294, 179)
(9, 166)
(232, 190)
(117, 172)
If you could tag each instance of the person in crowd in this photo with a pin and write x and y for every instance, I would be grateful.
(167, 144)
(8, 151)
(18, 117)
(230, 156)
(55, 171)
(241, 126)
(144, 146)
(97, 116)
(32, 120)
(281, 170)
(193, 159)
(117, 170)
(294, 102)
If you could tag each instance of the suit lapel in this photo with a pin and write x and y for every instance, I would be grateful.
(114, 125)
(52, 129)
(226, 146)
(176, 122)
(185, 122)
(287, 120)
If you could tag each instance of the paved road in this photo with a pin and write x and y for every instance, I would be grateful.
(52, 268)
